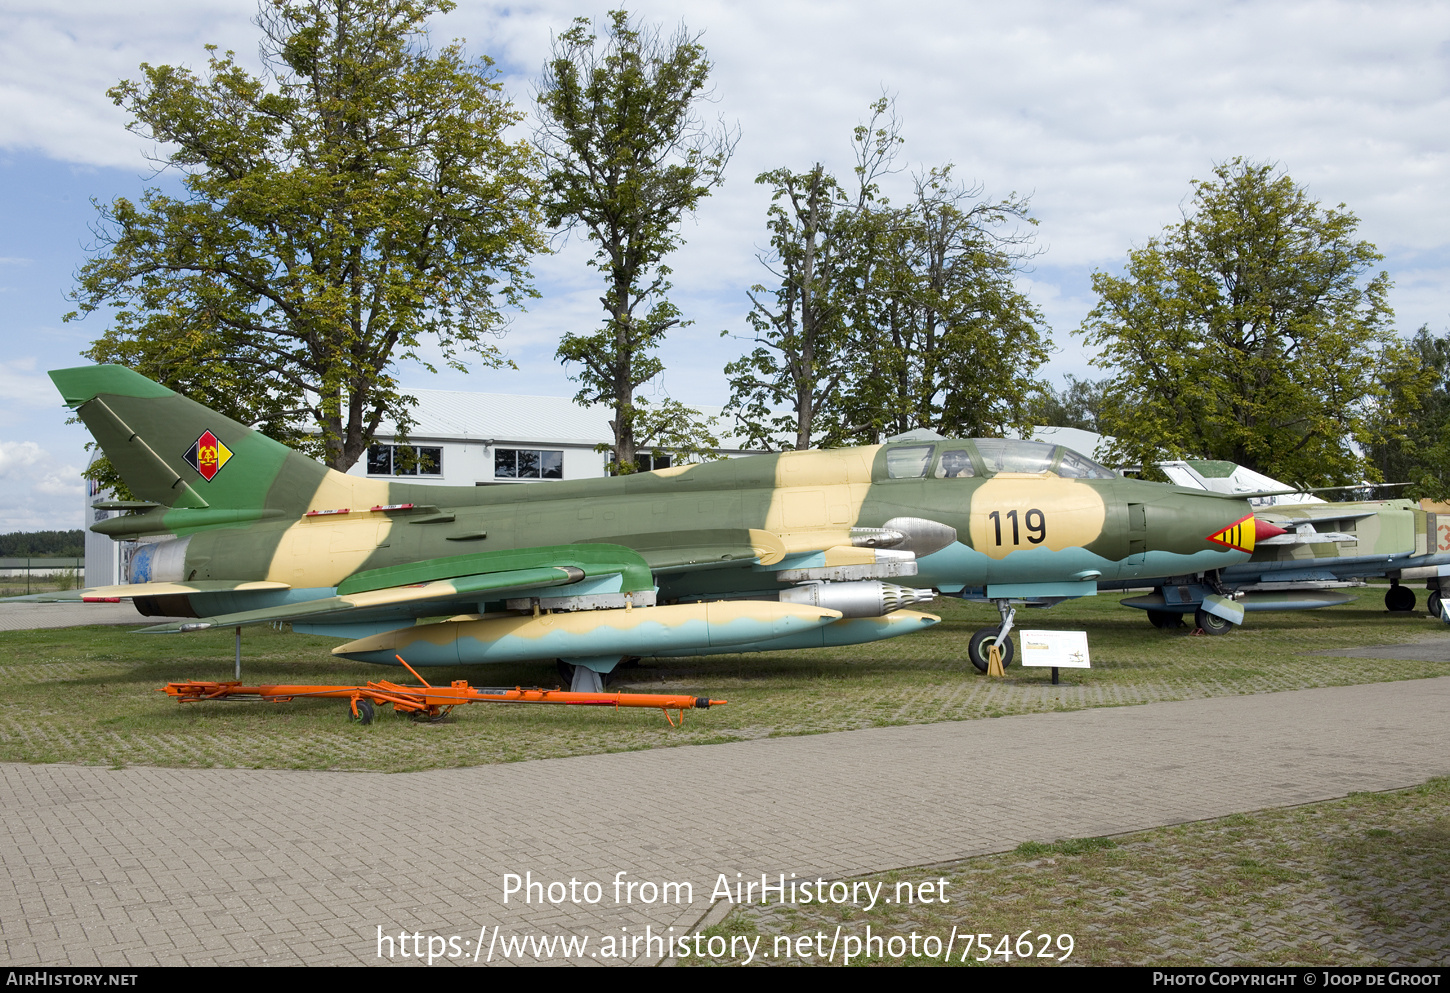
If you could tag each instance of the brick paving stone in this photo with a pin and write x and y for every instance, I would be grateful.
(219, 866)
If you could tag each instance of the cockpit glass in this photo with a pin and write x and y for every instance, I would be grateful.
(955, 464)
(1014, 455)
(908, 463)
(1075, 466)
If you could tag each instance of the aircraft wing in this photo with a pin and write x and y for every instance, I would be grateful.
(127, 591)
(1305, 534)
(332, 608)
(421, 588)
(1306, 530)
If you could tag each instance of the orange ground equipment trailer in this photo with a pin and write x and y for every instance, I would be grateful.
(431, 703)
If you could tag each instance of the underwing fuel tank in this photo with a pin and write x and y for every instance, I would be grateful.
(846, 631)
(643, 631)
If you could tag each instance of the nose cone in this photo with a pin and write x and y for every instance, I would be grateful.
(1240, 535)
(1263, 529)
(1244, 533)
(1189, 522)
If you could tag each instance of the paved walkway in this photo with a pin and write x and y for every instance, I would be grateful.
(1431, 649)
(25, 616)
(145, 866)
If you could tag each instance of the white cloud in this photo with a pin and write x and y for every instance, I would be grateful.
(22, 386)
(19, 456)
(1103, 112)
(37, 491)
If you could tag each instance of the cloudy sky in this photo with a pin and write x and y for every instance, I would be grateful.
(1101, 112)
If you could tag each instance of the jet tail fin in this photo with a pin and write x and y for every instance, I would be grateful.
(177, 453)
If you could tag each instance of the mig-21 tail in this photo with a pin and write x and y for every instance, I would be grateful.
(178, 455)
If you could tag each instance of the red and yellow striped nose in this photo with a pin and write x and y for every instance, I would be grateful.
(1242, 533)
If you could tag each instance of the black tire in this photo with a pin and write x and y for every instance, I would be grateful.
(1400, 599)
(1212, 623)
(1165, 620)
(1432, 604)
(365, 712)
(979, 647)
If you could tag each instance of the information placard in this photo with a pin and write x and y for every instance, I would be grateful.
(1064, 649)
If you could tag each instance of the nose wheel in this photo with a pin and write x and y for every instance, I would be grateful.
(980, 646)
(1212, 623)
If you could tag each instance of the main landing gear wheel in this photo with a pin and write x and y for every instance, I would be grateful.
(1165, 620)
(979, 648)
(364, 712)
(1400, 599)
(1212, 623)
(1432, 604)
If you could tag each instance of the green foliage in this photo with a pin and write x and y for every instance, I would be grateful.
(1077, 405)
(626, 157)
(670, 427)
(886, 319)
(357, 200)
(666, 428)
(58, 544)
(1412, 436)
(1248, 333)
(800, 327)
(950, 342)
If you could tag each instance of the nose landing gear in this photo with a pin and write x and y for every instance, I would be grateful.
(979, 648)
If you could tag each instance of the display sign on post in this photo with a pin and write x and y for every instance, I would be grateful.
(1058, 649)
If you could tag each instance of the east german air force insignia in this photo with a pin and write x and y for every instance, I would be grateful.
(207, 455)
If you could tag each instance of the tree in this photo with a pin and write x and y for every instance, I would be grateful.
(357, 200)
(1411, 427)
(820, 240)
(1077, 405)
(949, 341)
(799, 326)
(1247, 332)
(671, 428)
(886, 319)
(627, 157)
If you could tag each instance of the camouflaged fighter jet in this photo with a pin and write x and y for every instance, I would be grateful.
(1308, 552)
(761, 553)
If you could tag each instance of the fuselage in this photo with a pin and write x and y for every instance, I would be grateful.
(709, 528)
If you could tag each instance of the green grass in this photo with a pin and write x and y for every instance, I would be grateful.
(1353, 882)
(87, 694)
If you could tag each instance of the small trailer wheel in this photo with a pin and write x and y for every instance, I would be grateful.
(364, 712)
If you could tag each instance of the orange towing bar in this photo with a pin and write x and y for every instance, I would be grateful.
(431, 703)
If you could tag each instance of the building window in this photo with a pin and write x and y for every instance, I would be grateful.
(527, 463)
(405, 460)
(649, 461)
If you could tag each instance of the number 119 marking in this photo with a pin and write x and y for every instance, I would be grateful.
(1034, 520)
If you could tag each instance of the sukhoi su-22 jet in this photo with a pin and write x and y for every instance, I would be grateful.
(763, 553)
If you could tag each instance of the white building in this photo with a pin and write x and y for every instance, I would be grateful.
(107, 561)
(484, 439)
